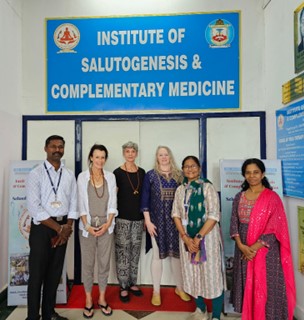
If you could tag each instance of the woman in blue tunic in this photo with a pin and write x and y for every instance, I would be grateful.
(158, 192)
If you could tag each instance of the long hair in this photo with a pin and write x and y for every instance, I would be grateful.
(99, 147)
(175, 171)
(260, 164)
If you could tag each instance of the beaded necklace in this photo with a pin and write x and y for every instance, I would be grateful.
(102, 177)
(135, 190)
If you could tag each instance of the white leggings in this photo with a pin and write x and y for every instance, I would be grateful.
(157, 269)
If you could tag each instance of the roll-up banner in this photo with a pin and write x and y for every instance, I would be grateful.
(19, 228)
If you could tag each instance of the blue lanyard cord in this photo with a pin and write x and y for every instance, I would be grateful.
(60, 174)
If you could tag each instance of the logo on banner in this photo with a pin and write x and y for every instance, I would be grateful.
(25, 223)
(66, 37)
(281, 121)
(219, 33)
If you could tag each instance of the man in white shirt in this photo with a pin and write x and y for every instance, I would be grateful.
(52, 202)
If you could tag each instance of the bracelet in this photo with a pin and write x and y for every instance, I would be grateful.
(87, 227)
(182, 236)
(61, 228)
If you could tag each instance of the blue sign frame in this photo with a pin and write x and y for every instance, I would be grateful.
(290, 148)
(143, 63)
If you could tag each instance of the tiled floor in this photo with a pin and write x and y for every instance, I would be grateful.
(76, 314)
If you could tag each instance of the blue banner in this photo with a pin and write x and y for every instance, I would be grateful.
(290, 148)
(139, 63)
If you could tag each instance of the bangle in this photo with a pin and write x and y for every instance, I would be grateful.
(87, 227)
(61, 228)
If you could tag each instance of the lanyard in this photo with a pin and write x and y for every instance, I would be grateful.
(60, 174)
(187, 202)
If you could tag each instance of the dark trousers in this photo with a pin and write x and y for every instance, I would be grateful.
(45, 267)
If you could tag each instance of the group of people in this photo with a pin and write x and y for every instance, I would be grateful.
(181, 213)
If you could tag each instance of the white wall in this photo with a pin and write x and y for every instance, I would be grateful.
(279, 68)
(10, 111)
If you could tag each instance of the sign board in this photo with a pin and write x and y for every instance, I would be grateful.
(290, 147)
(141, 63)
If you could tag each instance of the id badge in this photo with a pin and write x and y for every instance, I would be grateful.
(56, 204)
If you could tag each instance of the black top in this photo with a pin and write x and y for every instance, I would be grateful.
(128, 200)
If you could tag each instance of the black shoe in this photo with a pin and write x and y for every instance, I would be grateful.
(56, 316)
(126, 298)
(137, 293)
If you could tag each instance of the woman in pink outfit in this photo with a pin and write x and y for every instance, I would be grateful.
(263, 277)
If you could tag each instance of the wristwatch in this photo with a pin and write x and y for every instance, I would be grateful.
(199, 236)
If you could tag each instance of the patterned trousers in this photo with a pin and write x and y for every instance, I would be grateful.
(128, 236)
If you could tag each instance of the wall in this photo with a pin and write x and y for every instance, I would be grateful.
(10, 111)
(34, 13)
(279, 68)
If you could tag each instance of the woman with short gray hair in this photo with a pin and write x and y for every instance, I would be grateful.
(129, 223)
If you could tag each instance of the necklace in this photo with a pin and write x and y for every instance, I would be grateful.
(135, 190)
(98, 174)
(165, 171)
(103, 185)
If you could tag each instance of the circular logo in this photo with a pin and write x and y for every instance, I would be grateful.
(281, 121)
(219, 33)
(66, 37)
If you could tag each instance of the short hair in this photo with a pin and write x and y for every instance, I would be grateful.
(53, 137)
(130, 144)
(99, 147)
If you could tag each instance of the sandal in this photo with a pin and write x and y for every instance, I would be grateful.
(104, 309)
(125, 298)
(88, 310)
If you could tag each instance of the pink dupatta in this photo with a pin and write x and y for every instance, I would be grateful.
(267, 217)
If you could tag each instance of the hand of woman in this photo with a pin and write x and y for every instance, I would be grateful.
(92, 230)
(191, 244)
(101, 230)
(151, 229)
(248, 253)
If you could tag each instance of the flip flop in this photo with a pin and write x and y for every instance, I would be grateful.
(105, 308)
(89, 310)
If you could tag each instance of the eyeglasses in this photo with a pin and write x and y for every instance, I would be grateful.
(193, 166)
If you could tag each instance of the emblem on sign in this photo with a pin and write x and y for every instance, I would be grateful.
(66, 37)
(219, 33)
(281, 121)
